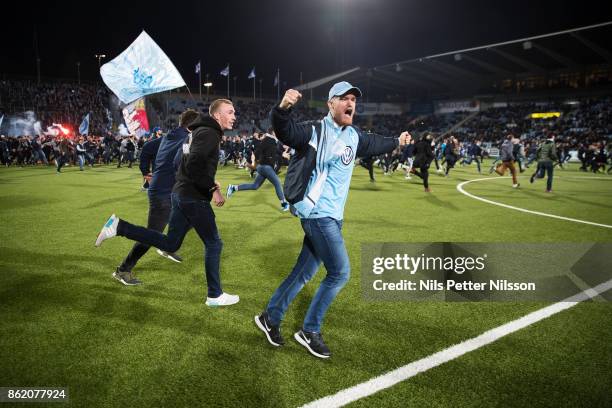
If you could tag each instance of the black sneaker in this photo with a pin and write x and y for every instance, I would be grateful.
(126, 278)
(313, 343)
(532, 178)
(272, 332)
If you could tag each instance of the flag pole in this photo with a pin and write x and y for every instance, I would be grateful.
(200, 77)
(228, 75)
(278, 84)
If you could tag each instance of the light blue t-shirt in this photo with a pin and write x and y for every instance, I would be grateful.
(329, 184)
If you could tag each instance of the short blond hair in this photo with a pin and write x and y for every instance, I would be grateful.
(216, 104)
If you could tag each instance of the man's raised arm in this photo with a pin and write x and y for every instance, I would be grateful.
(295, 135)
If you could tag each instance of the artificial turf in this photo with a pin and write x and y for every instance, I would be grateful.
(66, 322)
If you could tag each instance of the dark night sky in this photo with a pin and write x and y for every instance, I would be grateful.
(317, 37)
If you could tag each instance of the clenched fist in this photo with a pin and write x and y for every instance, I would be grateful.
(290, 98)
(405, 138)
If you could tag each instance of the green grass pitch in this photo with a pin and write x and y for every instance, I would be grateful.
(64, 321)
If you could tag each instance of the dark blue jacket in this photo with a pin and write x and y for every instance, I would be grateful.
(147, 156)
(164, 173)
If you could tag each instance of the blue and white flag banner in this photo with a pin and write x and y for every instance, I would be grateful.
(142, 69)
(84, 127)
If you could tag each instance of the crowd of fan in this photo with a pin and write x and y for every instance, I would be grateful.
(585, 126)
(64, 103)
(60, 151)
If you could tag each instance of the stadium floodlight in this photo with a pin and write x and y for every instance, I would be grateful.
(207, 85)
(99, 57)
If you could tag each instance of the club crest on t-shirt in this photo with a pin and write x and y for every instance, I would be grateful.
(347, 155)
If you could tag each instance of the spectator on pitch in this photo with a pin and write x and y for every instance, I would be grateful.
(265, 157)
(368, 163)
(546, 155)
(507, 160)
(4, 151)
(518, 152)
(451, 153)
(80, 152)
(63, 154)
(408, 159)
(475, 154)
(161, 150)
(37, 151)
(130, 149)
(195, 187)
(91, 150)
(147, 158)
(318, 183)
(423, 155)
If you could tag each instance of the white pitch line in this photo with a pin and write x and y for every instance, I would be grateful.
(461, 190)
(403, 373)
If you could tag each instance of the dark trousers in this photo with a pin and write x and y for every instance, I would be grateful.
(450, 162)
(423, 173)
(159, 214)
(61, 161)
(548, 168)
(368, 163)
(186, 213)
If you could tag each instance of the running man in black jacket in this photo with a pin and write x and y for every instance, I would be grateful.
(266, 157)
(195, 187)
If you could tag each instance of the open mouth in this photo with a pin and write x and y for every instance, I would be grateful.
(349, 112)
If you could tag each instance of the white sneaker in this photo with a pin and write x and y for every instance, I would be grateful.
(517, 185)
(231, 189)
(170, 255)
(224, 300)
(109, 230)
(408, 177)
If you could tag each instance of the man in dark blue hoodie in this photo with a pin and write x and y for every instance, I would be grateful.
(161, 152)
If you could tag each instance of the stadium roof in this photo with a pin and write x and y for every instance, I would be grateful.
(473, 70)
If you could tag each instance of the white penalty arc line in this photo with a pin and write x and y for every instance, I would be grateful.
(462, 191)
(403, 373)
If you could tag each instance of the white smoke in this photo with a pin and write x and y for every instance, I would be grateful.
(123, 130)
(24, 124)
(52, 131)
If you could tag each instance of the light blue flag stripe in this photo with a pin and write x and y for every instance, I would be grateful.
(84, 127)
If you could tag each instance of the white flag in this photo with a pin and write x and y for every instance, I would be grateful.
(142, 69)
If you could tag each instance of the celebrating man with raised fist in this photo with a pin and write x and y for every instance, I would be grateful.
(317, 185)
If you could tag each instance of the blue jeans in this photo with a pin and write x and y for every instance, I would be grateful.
(186, 212)
(40, 155)
(323, 242)
(81, 158)
(546, 167)
(264, 172)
